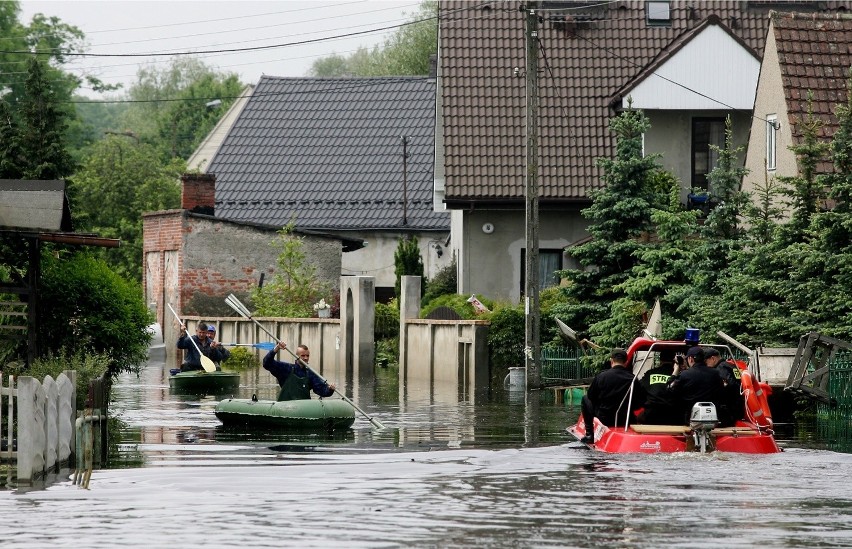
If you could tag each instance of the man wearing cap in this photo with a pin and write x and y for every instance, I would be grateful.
(733, 404)
(224, 353)
(613, 395)
(699, 383)
(192, 360)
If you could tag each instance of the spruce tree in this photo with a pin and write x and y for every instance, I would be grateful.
(43, 128)
(620, 215)
(407, 261)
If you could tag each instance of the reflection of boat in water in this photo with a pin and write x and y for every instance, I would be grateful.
(201, 382)
(324, 414)
(751, 435)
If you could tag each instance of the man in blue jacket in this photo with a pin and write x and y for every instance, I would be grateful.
(296, 380)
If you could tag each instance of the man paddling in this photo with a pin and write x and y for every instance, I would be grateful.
(192, 359)
(296, 380)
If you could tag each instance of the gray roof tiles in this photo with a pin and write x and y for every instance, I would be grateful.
(330, 151)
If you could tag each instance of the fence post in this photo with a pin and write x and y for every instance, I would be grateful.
(30, 428)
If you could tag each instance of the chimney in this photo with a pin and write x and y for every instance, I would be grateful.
(198, 192)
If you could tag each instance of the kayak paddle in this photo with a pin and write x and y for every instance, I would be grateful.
(206, 363)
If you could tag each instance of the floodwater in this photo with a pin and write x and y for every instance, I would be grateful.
(487, 472)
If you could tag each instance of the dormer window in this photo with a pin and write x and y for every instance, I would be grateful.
(658, 13)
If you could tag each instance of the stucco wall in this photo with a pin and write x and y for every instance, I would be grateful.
(377, 258)
(493, 260)
(769, 100)
(670, 135)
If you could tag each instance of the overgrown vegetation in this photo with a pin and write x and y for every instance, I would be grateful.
(241, 359)
(408, 262)
(295, 287)
(89, 366)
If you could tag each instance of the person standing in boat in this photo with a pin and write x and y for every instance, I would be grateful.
(659, 409)
(223, 353)
(296, 380)
(699, 383)
(733, 403)
(191, 359)
(609, 394)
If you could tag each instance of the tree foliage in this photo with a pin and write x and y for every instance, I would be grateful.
(119, 180)
(85, 306)
(407, 52)
(295, 287)
(407, 261)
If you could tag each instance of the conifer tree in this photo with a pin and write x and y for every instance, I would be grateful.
(407, 261)
(42, 129)
(620, 215)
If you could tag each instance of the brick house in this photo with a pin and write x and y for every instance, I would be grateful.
(193, 260)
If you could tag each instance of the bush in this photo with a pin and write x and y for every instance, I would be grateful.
(88, 367)
(506, 337)
(387, 321)
(241, 359)
(443, 283)
(86, 308)
(459, 304)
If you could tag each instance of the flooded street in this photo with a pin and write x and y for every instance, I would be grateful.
(487, 473)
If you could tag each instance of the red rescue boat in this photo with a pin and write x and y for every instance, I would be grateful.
(751, 435)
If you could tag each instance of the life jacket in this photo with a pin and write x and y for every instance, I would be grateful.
(295, 387)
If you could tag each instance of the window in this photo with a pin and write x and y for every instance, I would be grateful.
(705, 132)
(549, 261)
(658, 14)
(771, 128)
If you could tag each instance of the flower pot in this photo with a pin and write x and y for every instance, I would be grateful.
(324, 313)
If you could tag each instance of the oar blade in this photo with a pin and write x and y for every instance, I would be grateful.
(207, 364)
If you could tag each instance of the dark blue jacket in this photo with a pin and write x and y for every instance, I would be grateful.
(281, 370)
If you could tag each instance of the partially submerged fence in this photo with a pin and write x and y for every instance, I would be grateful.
(39, 423)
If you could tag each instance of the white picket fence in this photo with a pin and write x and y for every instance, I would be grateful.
(46, 415)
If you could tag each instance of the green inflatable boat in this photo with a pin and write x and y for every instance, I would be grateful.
(201, 382)
(297, 415)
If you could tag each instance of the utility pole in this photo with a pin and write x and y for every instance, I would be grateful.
(532, 343)
(404, 180)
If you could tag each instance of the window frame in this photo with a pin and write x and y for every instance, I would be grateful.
(541, 251)
(771, 142)
(699, 180)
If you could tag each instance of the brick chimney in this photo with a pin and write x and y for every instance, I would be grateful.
(198, 192)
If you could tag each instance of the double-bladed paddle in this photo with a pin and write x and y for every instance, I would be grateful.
(206, 363)
(243, 311)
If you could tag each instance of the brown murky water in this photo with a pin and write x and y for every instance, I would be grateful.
(486, 472)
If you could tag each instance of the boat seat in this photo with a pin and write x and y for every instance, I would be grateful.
(661, 429)
(736, 431)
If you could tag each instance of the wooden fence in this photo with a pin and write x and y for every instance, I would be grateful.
(38, 426)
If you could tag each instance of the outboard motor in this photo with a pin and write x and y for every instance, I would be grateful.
(702, 420)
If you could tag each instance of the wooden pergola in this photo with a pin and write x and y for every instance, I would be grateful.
(32, 212)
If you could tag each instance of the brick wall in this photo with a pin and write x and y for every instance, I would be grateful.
(198, 192)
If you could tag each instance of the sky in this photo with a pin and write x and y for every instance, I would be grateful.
(150, 26)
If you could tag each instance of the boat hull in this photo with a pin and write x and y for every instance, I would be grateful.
(294, 415)
(744, 438)
(199, 381)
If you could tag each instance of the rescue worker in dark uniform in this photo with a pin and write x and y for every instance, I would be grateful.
(658, 405)
(699, 383)
(296, 380)
(733, 404)
(607, 397)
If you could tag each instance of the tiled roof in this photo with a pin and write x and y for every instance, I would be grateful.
(330, 152)
(589, 51)
(814, 54)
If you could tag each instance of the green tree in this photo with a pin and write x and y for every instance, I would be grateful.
(619, 217)
(295, 287)
(42, 133)
(84, 306)
(407, 261)
(170, 110)
(11, 156)
(119, 181)
(407, 52)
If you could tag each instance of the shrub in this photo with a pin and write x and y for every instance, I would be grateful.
(443, 283)
(506, 337)
(241, 359)
(88, 367)
(86, 308)
(459, 304)
(387, 321)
